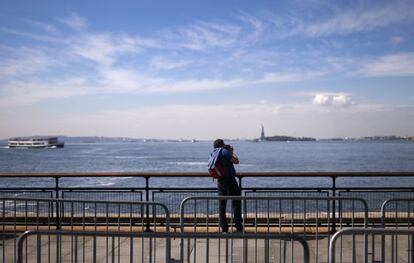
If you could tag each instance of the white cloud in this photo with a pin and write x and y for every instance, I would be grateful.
(23, 61)
(46, 27)
(127, 80)
(74, 21)
(358, 19)
(110, 81)
(30, 35)
(332, 99)
(255, 22)
(390, 65)
(201, 84)
(341, 100)
(103, 49)
(292, 76)
(254, 28)
(106, 49)
(202, 36)
(162, 63)
(20, 93)
(322, 99)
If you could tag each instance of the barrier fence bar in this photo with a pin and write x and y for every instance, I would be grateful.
(310, 217)
(398, 212)
(396, 248)
(21, 214)
(31, 248)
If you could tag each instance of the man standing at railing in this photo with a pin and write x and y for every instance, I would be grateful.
(227, 185)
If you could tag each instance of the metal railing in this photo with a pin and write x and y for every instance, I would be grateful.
(372, 245)
(398, 212)
(314, 218)
(20, 214)
(86, 246)
(144, 187)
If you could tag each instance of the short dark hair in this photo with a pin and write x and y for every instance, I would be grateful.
(218, 143)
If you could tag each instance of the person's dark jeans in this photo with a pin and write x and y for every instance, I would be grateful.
(229, 187)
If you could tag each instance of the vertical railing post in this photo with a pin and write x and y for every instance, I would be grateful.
(333, 230)
(244, 220)
(57, 206)
(147, 216)
(244, 202)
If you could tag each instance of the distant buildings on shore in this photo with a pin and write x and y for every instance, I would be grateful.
(373, 138)
(279, 138)
(264, 138)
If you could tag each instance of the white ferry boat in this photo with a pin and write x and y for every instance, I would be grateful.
(35, 142)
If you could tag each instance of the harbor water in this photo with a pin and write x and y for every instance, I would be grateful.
(321, 156)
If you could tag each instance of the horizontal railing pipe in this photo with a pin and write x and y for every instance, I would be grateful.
(200, 174)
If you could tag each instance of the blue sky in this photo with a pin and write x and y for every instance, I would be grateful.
(192, 69)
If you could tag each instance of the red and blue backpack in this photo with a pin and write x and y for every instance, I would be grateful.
(215, 168)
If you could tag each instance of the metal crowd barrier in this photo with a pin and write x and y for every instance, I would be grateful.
(378, 245)
(398, 212)
(87, 246)
(316, 219)
(20, 214)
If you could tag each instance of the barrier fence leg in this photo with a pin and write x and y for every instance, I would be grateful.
(57, 203)
(333, 229)
(147, 217)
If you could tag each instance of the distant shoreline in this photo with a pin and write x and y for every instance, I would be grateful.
(279, 138)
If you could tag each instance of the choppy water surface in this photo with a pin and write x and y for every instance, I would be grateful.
(192, 157)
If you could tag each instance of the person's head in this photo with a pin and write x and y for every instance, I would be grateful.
(219, 143)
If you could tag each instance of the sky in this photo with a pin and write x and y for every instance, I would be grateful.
(207, 69)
